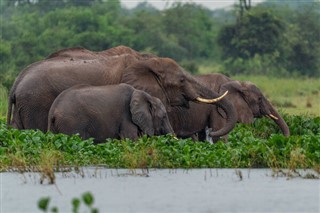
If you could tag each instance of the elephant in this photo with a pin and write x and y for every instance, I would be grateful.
(82, 53)
(36, 87)
(112, 111)
(246, 98)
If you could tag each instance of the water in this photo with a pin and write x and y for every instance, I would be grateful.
(164, 190)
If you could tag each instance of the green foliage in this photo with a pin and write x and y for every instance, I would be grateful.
(272, 39)
(86, 198)
(190, 22)
(305, 41)
(44, 203)
(258, 32)
(32, 31)
(250, 146)
(3, 101)
(253, 44)
(191, 66)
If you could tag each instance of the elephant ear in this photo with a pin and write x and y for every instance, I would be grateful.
(238, 94)
(140, 111)
(146, 75)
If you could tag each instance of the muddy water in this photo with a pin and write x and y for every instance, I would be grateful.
(196, 190)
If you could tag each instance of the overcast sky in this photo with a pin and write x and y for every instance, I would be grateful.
(161, 4)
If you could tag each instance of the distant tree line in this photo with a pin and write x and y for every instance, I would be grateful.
(267, 39)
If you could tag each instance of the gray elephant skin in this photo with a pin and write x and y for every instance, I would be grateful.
(246, 97)
(112, 111)
(36, 87)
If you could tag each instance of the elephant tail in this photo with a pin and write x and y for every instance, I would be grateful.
(11, 102)
(51, 123)
(14, 119)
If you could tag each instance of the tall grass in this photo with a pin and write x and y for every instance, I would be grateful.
(293, 95)
(3, 101)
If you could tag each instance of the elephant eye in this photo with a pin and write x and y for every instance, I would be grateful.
(182, 79)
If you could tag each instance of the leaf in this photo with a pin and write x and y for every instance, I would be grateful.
(75, 204)
(94, 211)
(54, 210)
(43, 203)
(87, 198)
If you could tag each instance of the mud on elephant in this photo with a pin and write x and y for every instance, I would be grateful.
(112, 111)
(39, 84)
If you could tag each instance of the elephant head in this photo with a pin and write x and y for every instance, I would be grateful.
(251, 103)
(149, 114)
(166, 80)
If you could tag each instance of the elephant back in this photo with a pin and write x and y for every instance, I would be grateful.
(75, 52)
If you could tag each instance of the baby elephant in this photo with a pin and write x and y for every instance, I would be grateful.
(112, 111)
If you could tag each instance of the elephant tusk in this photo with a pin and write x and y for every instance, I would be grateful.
(175, 138)
(273, 117)
(210, 101)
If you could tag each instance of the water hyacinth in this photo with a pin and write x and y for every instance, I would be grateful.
(259, 145)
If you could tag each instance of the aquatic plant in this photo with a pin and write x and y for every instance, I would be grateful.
(86, 198)
(249, 146)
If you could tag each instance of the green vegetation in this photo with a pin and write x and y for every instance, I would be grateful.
(86, 198)
(295, 96)
(249, 146)
(3, 101)
(268, 39)
(265, 40)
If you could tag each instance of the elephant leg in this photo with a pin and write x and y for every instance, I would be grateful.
(28, 118)
(202, 135)
(30, 112)
(195, 137)
(17, 119)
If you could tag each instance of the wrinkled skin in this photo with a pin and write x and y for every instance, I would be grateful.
(40, 83)
(82, 53)
(112, 111)
(248, 100)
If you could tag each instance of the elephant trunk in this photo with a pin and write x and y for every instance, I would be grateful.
(222, 102)
(167, 129)
(231, 118)
(276, 117)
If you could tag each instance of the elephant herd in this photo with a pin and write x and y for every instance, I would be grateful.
(121, 93)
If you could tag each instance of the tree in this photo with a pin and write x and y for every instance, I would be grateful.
(244, 5)
(192, 26)
(304, 53)
(259, 32)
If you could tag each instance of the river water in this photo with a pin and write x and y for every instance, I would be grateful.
(164, 190)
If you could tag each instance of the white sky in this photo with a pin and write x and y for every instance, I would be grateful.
(161, 4)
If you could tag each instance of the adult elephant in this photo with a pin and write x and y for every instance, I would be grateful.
(100, 112)
(40, 83)
(82, 53)
(246, 97)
